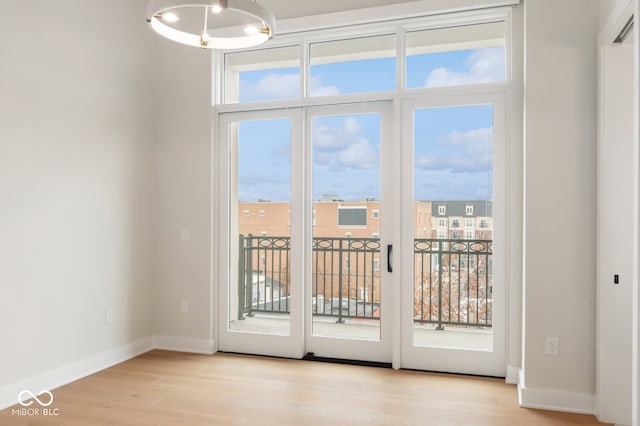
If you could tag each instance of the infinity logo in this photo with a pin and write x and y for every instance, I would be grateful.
(30, 395)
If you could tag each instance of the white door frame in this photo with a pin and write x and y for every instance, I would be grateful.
(491, 363)
(346, 348)
(290, 346)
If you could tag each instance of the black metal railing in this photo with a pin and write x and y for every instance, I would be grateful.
(453, 282)
(452, 279)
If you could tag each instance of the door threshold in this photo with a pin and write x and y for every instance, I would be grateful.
(310, 356)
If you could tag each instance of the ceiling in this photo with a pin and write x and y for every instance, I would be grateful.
(285, 9)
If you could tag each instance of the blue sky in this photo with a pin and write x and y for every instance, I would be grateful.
(453, 149)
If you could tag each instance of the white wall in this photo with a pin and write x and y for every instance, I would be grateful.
(76, 158)
(183, 175)
(615, 220)
(560, 202)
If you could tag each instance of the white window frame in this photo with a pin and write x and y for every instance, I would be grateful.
(302, 39)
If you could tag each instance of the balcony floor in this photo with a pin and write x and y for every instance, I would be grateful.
(424, 335)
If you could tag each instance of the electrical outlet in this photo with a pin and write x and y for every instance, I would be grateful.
(184, 307)
(552, 346)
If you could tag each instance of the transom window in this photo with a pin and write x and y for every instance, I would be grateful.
(451, 56)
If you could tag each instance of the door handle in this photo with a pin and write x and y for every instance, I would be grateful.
(389, 250)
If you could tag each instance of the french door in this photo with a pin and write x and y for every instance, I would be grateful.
(261, 232)
(366, 232)
(305, 239)
(349, 171)
(453, 197)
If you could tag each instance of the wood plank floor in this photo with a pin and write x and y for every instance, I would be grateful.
(169, 388)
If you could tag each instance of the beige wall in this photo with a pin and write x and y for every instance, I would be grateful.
(560, 177)
(76, 184)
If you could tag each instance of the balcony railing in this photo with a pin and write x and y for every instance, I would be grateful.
(452, 279)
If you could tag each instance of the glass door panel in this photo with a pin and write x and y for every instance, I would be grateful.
(452, 321)
(346, 226)
(262, 206)
(346, 288)
(453, 190)
(261, 301)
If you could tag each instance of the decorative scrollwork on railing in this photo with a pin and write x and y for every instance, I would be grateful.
(364, 244)
(279, 243)
(427, 245)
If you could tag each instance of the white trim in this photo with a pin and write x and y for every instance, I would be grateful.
(73, 371)
(184, 344)
(555, 400)
(513, 375)
(392, 12)
(635, 378)
(615, 21)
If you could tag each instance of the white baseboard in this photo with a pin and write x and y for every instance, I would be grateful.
(73, 371)
(513, 375)
(184, 344)
(545, 399)
(82, 368)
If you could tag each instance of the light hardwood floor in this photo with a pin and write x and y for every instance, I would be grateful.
(169, 388)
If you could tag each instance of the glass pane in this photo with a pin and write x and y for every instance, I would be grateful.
(453, 201)
(357, 65)
(262, 75)
(346, 226)
(456, 56)
(260, 289)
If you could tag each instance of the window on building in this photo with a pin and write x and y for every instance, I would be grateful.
(455, 223)
(469, 235)
(263, 233)
(484, 224)
(442, 223)
(468, 210)
(376, 235)
(468, 223)
(348, 234)
(352, 217)
(375, 213)
(376, 264)
(347, 262)
(442, 235)
(261, 213)
(442, 210)
(245, 213)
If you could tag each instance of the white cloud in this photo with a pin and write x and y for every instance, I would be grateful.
(282, 86)
(344, 147)
(484, 65)
(351, 125)
(318, 89)
(466, 152)
(272, 86)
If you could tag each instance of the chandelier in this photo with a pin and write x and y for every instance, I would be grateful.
(212, 24)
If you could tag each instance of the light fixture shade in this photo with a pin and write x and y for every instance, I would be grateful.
(164, 15)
